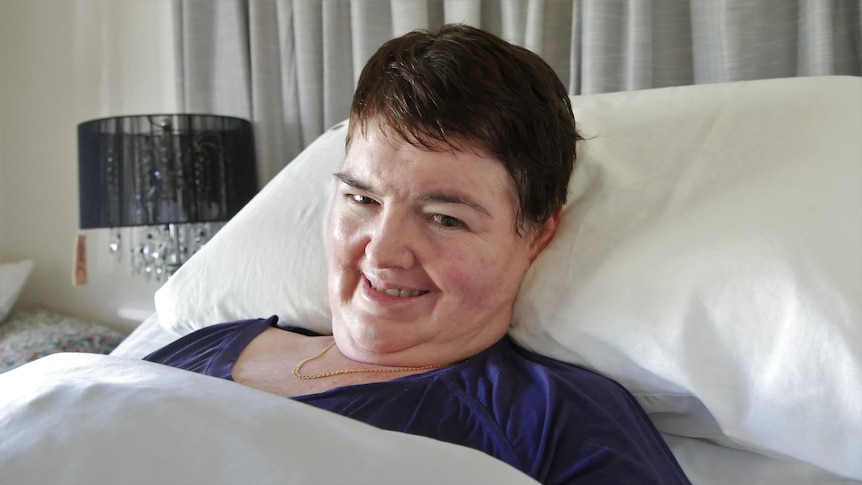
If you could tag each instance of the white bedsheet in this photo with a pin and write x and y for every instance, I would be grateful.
(147, 337)
(93, 419)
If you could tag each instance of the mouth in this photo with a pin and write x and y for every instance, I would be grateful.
(397, 292)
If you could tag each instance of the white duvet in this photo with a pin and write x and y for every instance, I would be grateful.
(82, 418)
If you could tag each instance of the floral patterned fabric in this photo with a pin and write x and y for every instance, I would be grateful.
(30, 334)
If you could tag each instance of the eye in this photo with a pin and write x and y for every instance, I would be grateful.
(448, 221)
(361, 199)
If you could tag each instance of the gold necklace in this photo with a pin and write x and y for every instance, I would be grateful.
(297, 371)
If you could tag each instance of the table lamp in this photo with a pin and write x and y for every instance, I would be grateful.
(171, 174)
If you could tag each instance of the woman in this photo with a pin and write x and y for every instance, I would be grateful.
(459, 152)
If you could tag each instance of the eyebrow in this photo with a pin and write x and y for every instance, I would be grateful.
(434, 197)
(352, 181)
(449, 198)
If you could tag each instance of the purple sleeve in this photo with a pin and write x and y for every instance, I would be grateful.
(592, 429)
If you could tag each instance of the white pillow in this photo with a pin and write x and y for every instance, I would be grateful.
(13, 276)
(709, 260)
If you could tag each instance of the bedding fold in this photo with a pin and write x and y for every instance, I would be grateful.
(85, 418)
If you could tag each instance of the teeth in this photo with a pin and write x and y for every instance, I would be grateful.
(397, 292)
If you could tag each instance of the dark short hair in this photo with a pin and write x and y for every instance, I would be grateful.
(462, 86)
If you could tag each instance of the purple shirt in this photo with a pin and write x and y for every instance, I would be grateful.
(555, 422)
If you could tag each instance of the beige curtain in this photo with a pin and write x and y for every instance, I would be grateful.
(290, 65)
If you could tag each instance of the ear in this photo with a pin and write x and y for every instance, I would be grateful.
(544, 235)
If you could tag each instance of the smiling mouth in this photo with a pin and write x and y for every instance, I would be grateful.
(397, 292)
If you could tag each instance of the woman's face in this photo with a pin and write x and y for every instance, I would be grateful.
(424, 259)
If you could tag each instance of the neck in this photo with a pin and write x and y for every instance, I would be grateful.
(297, 371)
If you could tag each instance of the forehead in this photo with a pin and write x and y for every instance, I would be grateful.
(375, 156)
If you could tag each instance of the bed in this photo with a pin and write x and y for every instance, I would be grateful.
(709, 259)
(27, 334)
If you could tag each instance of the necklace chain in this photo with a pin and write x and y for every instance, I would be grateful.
(297, 371)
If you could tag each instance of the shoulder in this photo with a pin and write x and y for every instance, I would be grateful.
(570, 422)
(541, 378)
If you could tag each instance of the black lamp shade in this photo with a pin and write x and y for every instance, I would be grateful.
(148, 170)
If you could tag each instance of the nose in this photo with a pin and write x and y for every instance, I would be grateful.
(390, 242)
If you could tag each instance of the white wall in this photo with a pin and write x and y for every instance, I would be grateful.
(63, 62)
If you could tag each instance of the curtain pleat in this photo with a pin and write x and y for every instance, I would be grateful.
(273, 81)
(336, 60)
(290, 66)
(369, 28)
(407, 15)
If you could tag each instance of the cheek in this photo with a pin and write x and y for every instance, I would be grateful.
(344, 250)
(341, 250)
(487, 277)
(342, 238)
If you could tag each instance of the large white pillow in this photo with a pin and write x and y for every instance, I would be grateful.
(709, 260)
